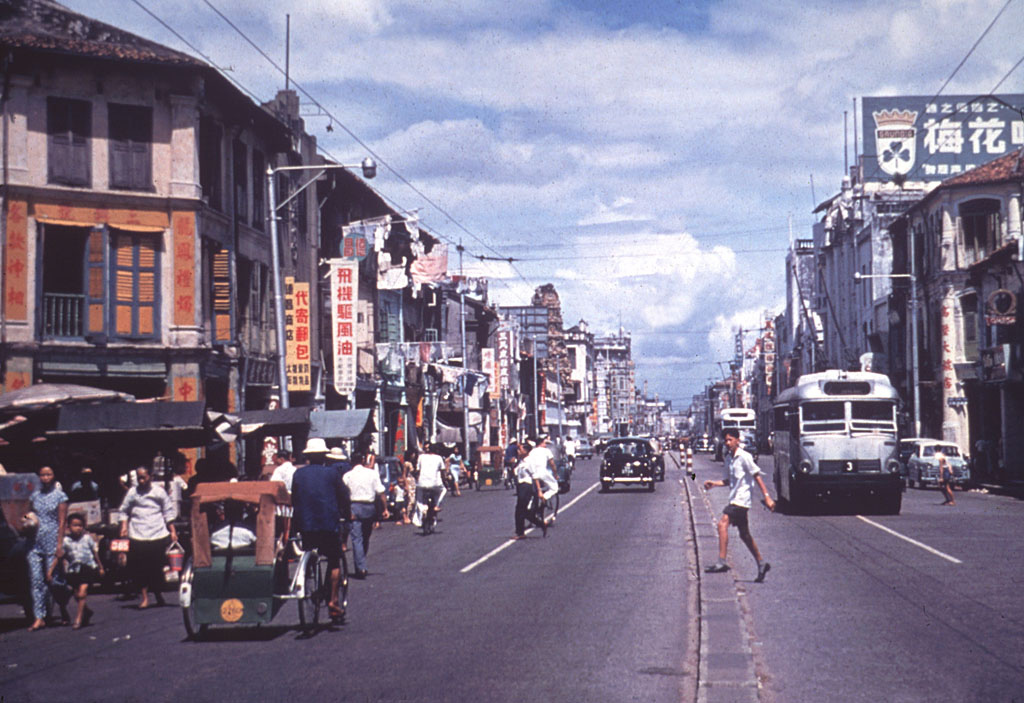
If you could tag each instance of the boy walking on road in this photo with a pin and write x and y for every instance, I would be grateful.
(742, 474)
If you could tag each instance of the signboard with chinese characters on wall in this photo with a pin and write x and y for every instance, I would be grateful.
(344, 295)
(928, 139)
(296, 331)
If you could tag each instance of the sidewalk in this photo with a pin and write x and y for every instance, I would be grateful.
(1014, 489)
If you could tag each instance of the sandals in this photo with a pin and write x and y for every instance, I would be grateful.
(335, 612)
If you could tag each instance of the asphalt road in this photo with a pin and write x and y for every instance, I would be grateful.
(596, 611)
(923, 606)
(852, 610)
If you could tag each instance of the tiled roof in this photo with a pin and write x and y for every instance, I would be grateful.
(1006, 168)
(48, 26)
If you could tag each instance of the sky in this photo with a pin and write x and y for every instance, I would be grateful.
(650, 159)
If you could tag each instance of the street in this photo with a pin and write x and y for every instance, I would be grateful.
(603, 609)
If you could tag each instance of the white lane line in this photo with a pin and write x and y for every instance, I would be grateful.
(914, 542)
(505, 545)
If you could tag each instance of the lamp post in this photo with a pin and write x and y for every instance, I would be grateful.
(857, 276)
(369, 167)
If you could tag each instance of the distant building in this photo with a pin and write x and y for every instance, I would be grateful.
(614, 383)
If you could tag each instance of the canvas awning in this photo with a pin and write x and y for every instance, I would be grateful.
(278, 421)
(446, 434)
(341, 424)
(180, 423)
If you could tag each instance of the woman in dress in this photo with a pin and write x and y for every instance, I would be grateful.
(50, 504)
(147, 522)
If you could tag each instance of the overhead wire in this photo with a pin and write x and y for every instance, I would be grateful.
(383, 162)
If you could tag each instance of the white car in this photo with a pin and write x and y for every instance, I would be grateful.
(923, 466)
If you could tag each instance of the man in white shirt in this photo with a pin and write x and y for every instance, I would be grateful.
(284, 470)
(530, 481)
(742, 473)
(570, 451)
(429, 466)
(365, 489)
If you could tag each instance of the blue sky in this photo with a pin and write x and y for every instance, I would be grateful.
(645, 157)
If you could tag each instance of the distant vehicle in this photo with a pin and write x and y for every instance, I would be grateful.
(835, 435)
(742, 419)
(703, 444)
(629, 460)
(923, 466)
(584, 449)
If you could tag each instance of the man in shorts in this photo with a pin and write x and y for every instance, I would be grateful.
(320, 501)
(742, 473)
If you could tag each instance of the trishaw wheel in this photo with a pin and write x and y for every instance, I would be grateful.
(193, 629)
(342, 584)
(314, 588)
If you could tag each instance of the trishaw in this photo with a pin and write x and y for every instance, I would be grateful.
(489, 473)
(249, 585)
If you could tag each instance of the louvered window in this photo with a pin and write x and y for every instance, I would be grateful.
(222, 297)
(131, 141)
(135, 284)
(68, 127)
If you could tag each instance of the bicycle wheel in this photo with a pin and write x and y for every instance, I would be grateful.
(186, 596)
(342, 584)
(314, 570)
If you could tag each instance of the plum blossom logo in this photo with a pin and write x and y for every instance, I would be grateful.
(896, 140)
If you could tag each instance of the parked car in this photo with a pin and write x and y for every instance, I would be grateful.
(923, 466)
(629, 461)
(908, 446)
(584, 449)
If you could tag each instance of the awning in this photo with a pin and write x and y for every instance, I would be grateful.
(341, 424)
(446, 434)
(180, 423)
(281, 420)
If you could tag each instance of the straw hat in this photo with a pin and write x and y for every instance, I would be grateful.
(315, 445)
(337, 454)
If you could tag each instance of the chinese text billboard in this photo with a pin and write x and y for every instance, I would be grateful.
(344, 296)
(931, 140)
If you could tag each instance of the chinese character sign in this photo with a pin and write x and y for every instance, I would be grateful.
(931, 140)
(344, 296)
(296, 331)
(490, 368)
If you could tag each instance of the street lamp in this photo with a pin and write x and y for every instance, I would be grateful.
(857, 276)
(369, 167)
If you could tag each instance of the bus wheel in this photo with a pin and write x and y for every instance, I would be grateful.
(893, 503)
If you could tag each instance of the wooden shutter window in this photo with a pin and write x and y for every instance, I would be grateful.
(222, 296)
(136, 292)
(68, 126)
(96, 294)
(131, 137)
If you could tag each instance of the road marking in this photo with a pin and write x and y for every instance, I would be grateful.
(505, 545)
(914, 542)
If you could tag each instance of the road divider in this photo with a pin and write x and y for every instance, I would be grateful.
(505, 545)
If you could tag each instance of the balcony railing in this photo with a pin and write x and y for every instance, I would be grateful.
(63, 315)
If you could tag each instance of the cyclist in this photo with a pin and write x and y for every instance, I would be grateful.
(429, 485)
(455, 464)
(319, 501)
(570, 452)
(529, 485)
(514, 453)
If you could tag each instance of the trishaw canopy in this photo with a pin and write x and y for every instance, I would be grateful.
(266, 494)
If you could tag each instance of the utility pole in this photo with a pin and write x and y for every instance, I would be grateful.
(465, 361)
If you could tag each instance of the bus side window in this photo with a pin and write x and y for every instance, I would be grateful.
(781, 419)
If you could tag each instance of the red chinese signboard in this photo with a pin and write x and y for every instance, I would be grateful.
(296, 330)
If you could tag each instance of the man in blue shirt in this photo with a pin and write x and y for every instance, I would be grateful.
(319, 501)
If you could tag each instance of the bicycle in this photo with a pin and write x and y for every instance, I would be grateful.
(311, 583)
(430, 515)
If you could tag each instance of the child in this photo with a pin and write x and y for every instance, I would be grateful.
(83, 565)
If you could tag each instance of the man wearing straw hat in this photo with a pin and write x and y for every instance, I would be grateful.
(319, 501)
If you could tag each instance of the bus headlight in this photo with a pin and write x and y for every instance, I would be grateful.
(805, 467)
(893, 466)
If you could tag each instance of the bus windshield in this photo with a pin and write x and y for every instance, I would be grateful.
(876, 416)
(823, 416)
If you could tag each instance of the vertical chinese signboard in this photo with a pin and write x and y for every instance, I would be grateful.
(344, 294)
(488, 367)
(296, 330)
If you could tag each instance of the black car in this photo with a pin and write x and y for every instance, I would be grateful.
(629, 461)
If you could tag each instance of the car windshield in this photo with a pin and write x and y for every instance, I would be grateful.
(628, 448)
(949, 449)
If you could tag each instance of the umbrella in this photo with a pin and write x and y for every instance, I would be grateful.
(51, 395)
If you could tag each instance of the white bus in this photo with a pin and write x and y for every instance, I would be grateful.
(742, 419)
(835, 436)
